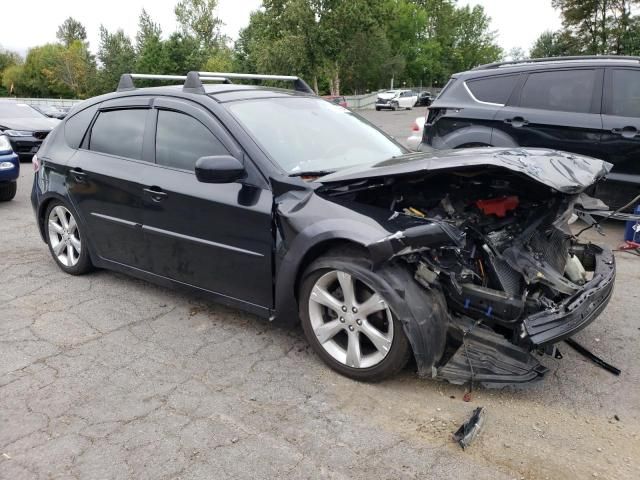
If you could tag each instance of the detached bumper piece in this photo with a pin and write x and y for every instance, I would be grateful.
(470, 429)
(579, 310)
(490, 360)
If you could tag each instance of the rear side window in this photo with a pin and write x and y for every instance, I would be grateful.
(119, 132)
(625, 93)
(181, 140)
(76, 126)
(493, 89)
(565, 90)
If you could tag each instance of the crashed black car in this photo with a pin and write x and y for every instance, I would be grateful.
(287, 206)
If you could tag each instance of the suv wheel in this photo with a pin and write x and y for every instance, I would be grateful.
(8, 191)
(65, 240)
(348, 324)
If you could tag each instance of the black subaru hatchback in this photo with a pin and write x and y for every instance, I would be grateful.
(287, 206)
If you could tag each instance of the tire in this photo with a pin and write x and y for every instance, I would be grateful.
(63, 233)
(8, 191)
(373, 361)
(377, 109)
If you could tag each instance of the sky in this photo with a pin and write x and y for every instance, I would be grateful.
(517, 22)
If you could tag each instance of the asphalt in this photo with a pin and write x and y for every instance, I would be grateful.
(107, 377)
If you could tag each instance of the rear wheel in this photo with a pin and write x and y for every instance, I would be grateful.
(377, 109)
(65, 240)
(348, 323)
(8, 191)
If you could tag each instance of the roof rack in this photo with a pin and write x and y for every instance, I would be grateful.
(193, 80)
(298, 84)
(126, 80)
(489, 66)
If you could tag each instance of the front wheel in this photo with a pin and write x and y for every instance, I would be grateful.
(8, 191)
(65, 240)
(348, 323)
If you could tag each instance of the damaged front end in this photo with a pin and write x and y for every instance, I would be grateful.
(494, 240)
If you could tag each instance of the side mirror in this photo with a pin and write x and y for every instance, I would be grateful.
(219, 169)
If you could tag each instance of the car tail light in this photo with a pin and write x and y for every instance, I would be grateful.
(36, 163)
(415, 127)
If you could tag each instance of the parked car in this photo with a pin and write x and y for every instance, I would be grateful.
(424, 99)
(336, 100)
(414, 140)
(25, 127)
(394, 99)
(9, 170)
(278, 203)
(585, 105)
(50, 111)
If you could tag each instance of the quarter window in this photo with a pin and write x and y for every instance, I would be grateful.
(565, 90)
(76, 126)
(625, 93)
(493, 89)
(119, 132)
(181, 140)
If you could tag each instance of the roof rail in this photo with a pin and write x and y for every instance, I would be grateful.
(126, 80)
(298, 84)
(489, 66)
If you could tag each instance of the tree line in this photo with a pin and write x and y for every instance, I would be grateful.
(338, 46)
(592, 27)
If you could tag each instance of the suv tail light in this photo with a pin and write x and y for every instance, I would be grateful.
(36, 163)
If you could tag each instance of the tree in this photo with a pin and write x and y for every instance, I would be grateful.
(73, 70)
(197, 18)
(70, 31)
(516, 54)
(554, 44)
(150, 51)
(116, 56)
(8, 59)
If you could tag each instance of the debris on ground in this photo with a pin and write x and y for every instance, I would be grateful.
(592, 356)
(470, 429)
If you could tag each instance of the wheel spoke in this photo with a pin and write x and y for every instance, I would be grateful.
(328, 330)
(72, 224)
(373, 304)
(76, 244)
(58, 248)
(323, 297)
(56, 227)
(70, 259)
(62, 216)
(354, 355)
(346, 284)
(379, 339)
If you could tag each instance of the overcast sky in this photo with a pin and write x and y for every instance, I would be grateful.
(34, 22)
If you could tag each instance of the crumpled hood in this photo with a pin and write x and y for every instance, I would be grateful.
(30, 124)
(565, 172)
(387, 96)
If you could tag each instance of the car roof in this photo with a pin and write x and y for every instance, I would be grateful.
(559, 63)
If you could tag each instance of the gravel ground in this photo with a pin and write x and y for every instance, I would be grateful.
(105, 376)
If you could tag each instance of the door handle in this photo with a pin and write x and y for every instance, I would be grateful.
(516, 122)
(626, 132)
(78, 175)
(156, 193)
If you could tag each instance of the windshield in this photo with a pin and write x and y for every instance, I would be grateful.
(17, 110)
(309, 134)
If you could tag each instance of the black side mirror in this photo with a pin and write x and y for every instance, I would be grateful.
(219, 169)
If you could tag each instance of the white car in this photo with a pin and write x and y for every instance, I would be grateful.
(394, 99)
(416, 134)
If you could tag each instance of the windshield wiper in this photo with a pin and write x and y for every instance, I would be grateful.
(312, 173)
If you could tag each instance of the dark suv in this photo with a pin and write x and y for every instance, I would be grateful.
(586, 105)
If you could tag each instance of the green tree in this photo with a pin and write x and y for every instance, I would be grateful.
(8, 59)
(72, 71)
(554, 44)
(197, 18)
(116, 55)
(70, 31)
(151, 54)
(12, 80)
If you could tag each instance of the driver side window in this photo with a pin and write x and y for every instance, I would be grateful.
(181, 140)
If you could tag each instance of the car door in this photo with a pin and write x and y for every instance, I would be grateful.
(558, 109)
(104, 179)
(217, 237)
(621, 123)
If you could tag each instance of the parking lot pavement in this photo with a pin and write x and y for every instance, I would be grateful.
(397, 124)
(104, 376)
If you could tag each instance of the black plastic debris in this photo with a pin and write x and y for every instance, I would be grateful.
(592, 356)
(470, 429)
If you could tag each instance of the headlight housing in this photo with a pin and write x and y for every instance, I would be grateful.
(5, 145)
(6, 166)
(18, 133)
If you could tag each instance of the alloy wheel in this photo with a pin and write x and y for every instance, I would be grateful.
(350, 320)
(64, 236)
